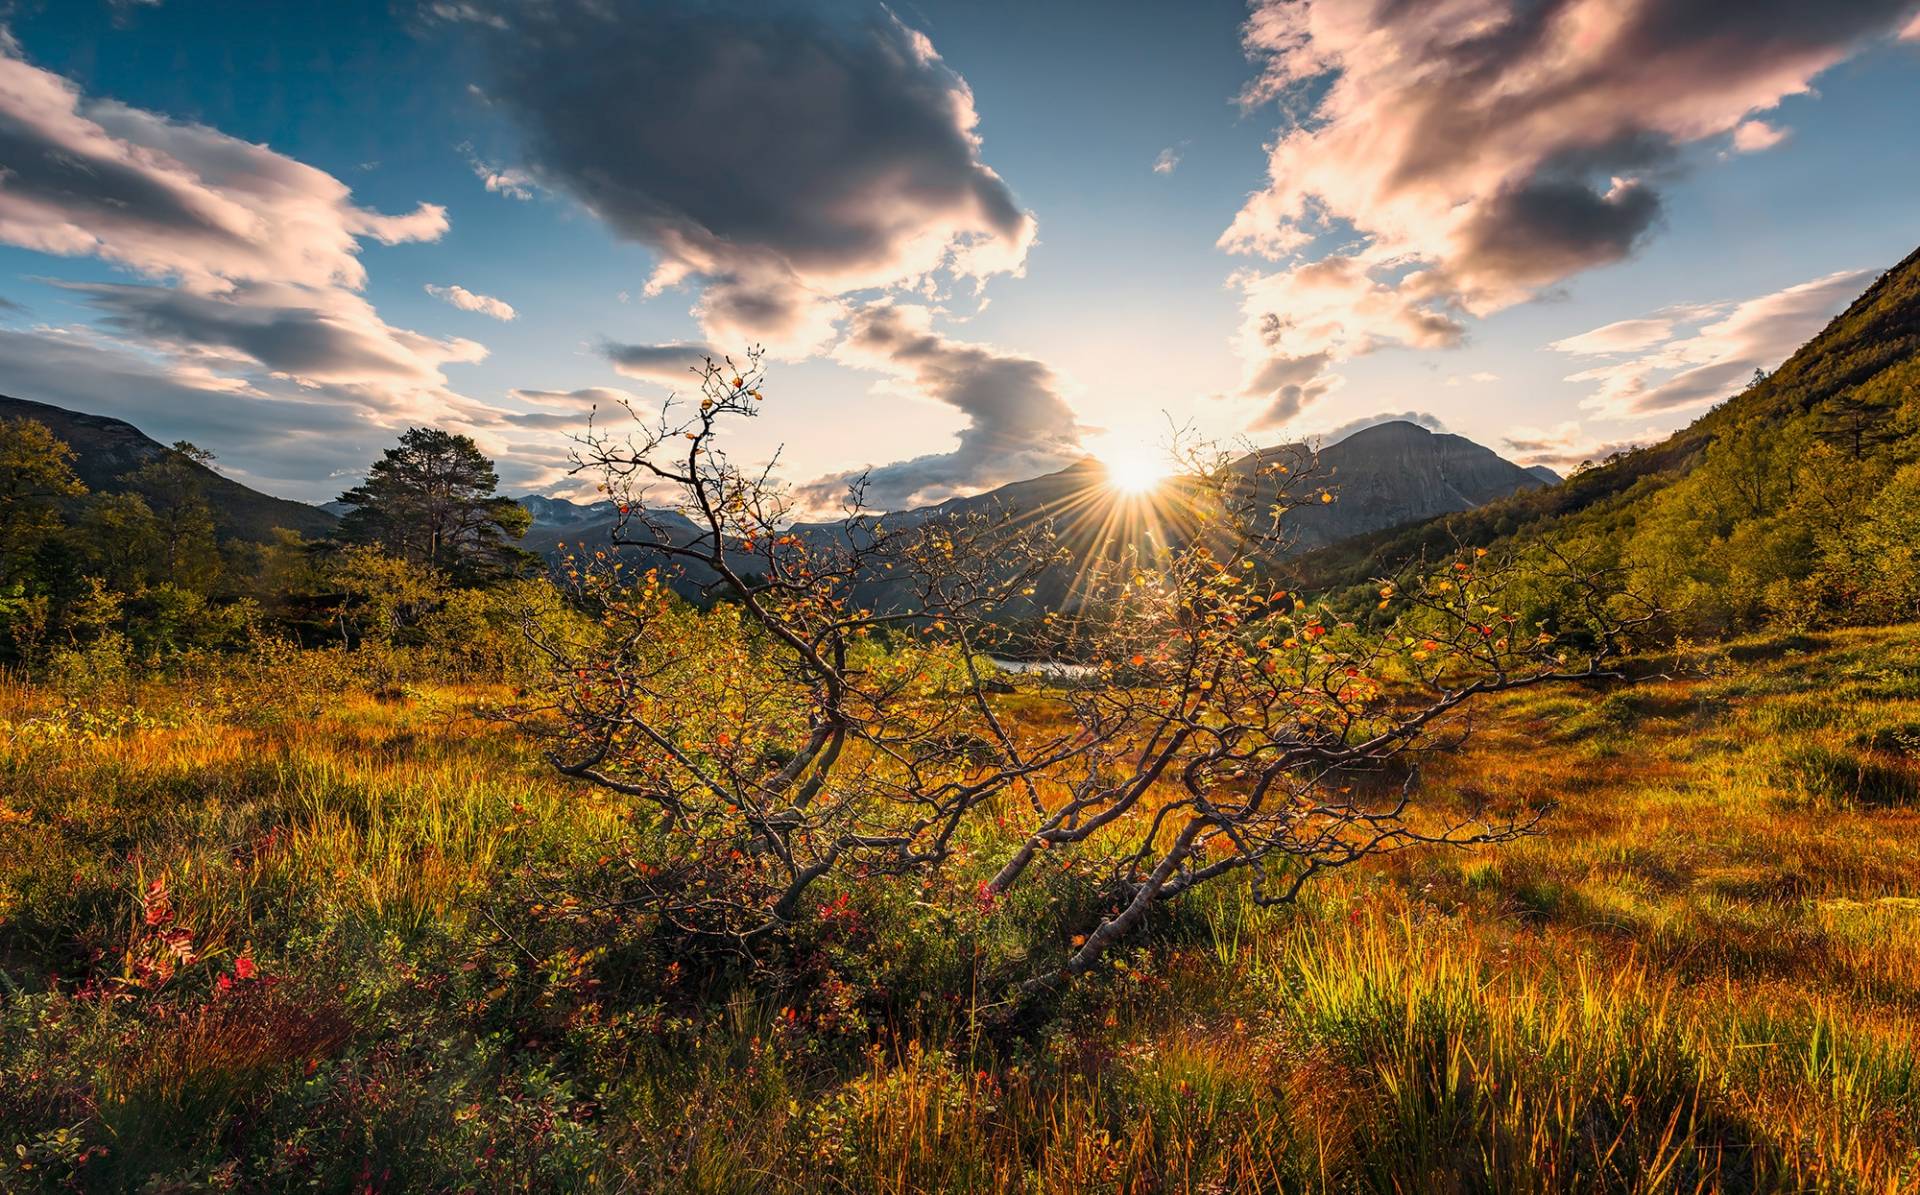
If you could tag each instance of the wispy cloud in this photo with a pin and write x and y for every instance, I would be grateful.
(1567, 445)
(1678, 362)
(1019, 424)
(674, 365)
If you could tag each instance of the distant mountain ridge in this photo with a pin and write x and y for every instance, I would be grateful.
(106, 450)
(1385, 476)
(1388, 475)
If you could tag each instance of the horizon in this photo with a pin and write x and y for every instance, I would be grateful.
(997, 239)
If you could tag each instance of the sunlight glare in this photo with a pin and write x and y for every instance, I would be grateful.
(1133, 469)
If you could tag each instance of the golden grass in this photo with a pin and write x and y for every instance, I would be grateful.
(1703, 976)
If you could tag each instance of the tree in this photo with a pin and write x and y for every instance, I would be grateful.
(430, 501)
(173, 486)
(36, 474)
(1223, 727)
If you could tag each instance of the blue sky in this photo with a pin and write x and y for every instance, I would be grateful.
(1726, 181)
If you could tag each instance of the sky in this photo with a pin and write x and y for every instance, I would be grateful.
(978, 239)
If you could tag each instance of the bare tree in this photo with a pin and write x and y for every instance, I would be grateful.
(1220, 727)
(837, 755)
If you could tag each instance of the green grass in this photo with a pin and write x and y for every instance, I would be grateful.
(1703, 975)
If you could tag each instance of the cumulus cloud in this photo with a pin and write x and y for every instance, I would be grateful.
(1018, 423)
(92, 177)
(280, 440)
(676, 364)
(780, 156)
(1472, 153)
(1705, 353)
(1168, 161)
(248, 331)
(466, 300)
(1567, 446)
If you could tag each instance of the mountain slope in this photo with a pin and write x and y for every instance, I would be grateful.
(106, 450)
(1874, 345)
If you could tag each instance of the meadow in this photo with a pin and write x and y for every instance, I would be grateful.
(269, 924)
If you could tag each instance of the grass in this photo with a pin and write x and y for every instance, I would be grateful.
(271, 933)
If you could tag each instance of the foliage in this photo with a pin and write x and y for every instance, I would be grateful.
(36, 471)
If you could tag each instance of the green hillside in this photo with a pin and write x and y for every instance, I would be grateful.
(106, 450)
(1790, 502)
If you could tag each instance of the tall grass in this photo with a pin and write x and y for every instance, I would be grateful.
(273, 935)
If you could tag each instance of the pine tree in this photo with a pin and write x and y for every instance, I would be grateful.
(430, 501)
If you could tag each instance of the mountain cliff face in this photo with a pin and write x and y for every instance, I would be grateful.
(106, 450)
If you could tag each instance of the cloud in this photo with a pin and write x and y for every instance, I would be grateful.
(499, 180)
(249, 332)
(1706, 353)
(1481, 378)
(466, 300)
(570, 410)
(1168, 160)
(282, 441)
(780, 156)
(1019, 425)
(1566, 446)
(1624, 336)
(92, 177)
(669, 364)
(1469, 154)
(313, 337)
(1753, 136)
(1298, 322)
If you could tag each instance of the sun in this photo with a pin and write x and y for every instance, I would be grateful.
(1133, 469)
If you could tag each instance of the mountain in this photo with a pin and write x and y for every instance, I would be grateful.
(1388, 475)
(1852, 377)
(559, 512)
(1397, 473)
(1546, 475)
(106, 450)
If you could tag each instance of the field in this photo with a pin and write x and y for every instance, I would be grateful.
(270, 928)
